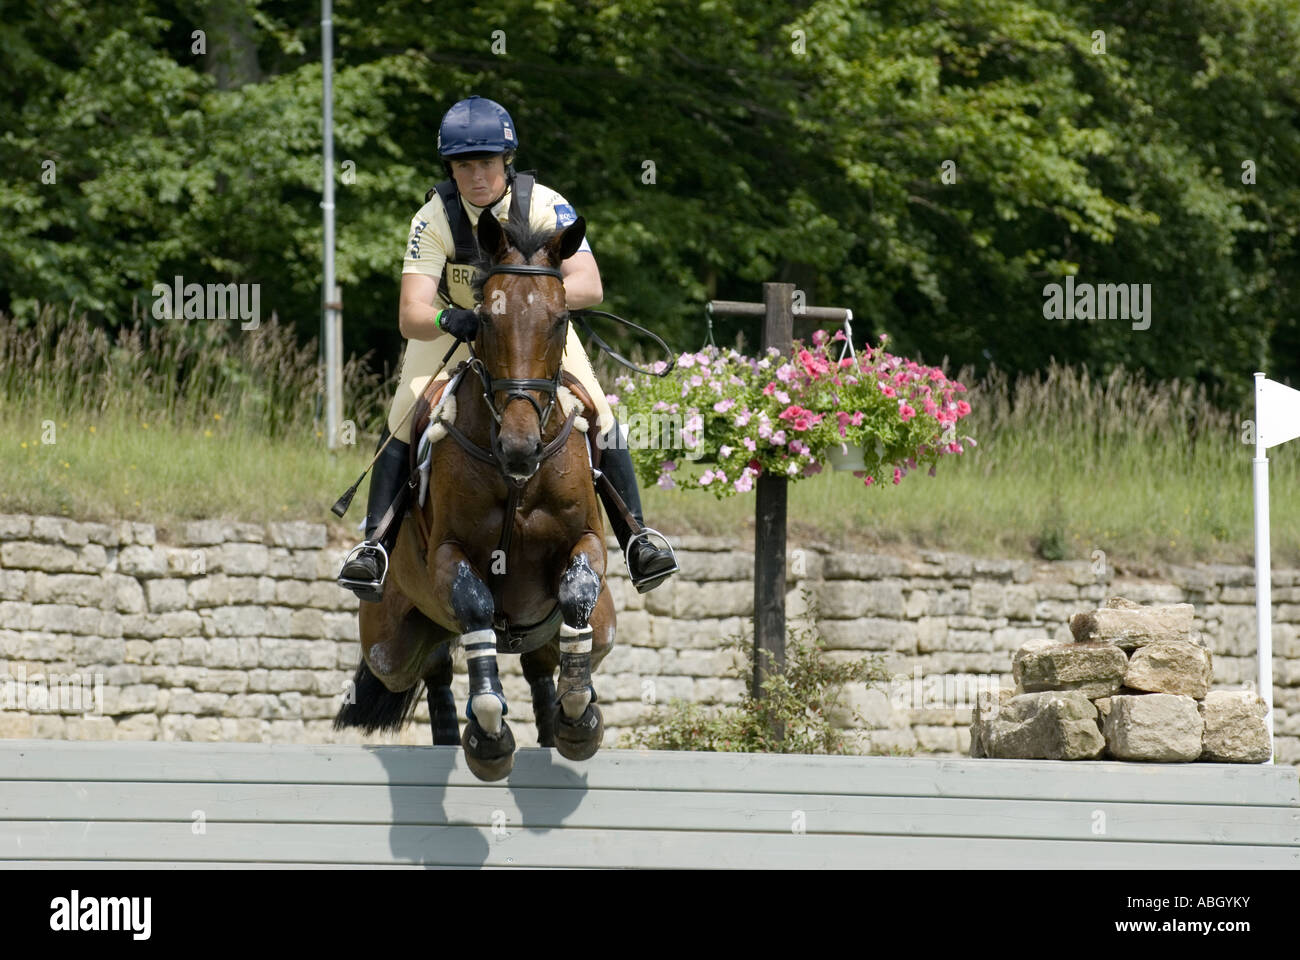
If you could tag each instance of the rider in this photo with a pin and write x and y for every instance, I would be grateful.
(477, 142)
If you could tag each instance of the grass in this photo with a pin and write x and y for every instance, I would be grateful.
(165, 425)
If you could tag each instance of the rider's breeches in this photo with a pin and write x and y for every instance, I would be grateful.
(422, 358)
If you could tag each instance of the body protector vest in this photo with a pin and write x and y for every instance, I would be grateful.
(454, 285)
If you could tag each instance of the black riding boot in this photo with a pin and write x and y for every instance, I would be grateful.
(647, 565)
(366, 567)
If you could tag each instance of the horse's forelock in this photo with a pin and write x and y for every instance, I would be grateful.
(525, 239)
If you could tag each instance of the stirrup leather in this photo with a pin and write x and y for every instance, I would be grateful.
(372, 590)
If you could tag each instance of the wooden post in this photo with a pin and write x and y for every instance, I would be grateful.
(770, 516)
(777, 311)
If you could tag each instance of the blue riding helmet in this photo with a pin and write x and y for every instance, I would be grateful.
(476, 125)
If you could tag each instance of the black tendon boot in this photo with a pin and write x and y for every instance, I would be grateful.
(647, 565)
(366, 565)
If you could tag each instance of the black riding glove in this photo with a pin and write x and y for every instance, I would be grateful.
(461, 324)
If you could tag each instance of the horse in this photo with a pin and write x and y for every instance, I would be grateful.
(507, 554)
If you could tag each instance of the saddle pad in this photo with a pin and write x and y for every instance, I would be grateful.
(444, 411)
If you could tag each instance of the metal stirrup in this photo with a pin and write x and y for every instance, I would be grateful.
(627, 552)
(374, 546)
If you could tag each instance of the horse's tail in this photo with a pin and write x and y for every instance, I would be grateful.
(373, 707)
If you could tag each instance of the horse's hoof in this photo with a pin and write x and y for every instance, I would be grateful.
(488, 758)
(578, 739)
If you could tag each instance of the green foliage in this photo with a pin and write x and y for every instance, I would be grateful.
(800, 143)
(793, 716)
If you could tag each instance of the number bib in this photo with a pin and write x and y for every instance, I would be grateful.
(460, 277)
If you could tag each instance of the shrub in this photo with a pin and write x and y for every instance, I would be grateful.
(794, 716)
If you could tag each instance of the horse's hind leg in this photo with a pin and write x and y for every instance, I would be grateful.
(442, 703)
(385, 690)
(539, 670)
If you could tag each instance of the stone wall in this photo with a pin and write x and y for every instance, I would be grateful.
(237, 631)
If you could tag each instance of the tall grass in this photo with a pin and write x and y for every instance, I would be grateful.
(1065, 465)
(191, 420)
(180, 372)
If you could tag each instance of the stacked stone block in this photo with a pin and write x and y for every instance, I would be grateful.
(1133, 684)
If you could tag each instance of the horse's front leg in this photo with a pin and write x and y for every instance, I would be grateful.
(489, 744)
(579, 727)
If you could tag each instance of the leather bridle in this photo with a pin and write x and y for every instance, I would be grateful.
(515, 388)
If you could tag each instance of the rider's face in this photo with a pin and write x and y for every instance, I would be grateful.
(480, 181)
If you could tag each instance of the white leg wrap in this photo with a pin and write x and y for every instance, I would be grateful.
(575, 639)
(473, 643)
(487, 707)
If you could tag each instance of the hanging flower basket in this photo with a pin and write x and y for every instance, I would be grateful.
(878, 415)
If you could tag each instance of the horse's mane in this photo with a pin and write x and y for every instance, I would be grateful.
(525, 238)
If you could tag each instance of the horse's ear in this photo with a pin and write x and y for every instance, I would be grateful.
(566, 243)
(491, 238)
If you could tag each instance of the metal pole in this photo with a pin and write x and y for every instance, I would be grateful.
(329, 319)
(1263, 569)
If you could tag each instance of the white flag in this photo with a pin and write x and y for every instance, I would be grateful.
(1277, 412)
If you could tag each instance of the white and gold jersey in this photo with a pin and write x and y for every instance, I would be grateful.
(431, 249)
